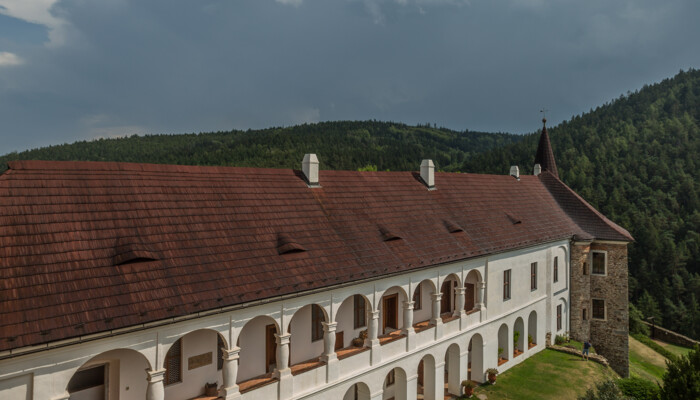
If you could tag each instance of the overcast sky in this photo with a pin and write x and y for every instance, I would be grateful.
(81, 69)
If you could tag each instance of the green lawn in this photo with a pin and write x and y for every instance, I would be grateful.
(645, 363)
(547, 375)
(677, 350)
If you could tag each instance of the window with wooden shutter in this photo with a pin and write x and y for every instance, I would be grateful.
(360, 312)
(173, 363)
(219, 352)
(316, 323)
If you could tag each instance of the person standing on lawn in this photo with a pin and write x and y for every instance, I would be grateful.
(586, 347)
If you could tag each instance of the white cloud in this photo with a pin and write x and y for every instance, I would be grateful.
(9, 59)
(36, 12)
(295, 3)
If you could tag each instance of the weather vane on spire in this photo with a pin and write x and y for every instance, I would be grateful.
(544, 114)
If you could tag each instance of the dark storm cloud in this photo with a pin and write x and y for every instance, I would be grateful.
(118, 67)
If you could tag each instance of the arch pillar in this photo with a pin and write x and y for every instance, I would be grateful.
(412, 387)
(155, 390)
(481, 286)
(283, 372)
(329, 356)
(436, 319)
(459, 307)
(64, 396)
(408, 325)
(230, 374)
(438, 389)
(372, 338)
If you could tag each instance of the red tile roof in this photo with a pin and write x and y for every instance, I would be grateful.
(208, 237)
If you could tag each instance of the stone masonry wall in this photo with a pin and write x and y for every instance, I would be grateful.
(580, 292)
(610, 335)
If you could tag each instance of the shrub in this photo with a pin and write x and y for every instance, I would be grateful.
(606, 390)
(654, 346)
(638, 388)
(468, 384)
(559, 340)
(682, 377)
(492, 371)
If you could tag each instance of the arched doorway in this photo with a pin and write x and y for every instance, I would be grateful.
(306, 329)
(108, 375)
(532, 330)
(352, 318)
(258, 343)
(358, 391)
(390, 315)
(503, 344)
(395, 385)
(447, 301)
(518, 337)
(471, 286)
(476, 359)
(427, 388)
(452, 371)
(422, 303)
(194, 360)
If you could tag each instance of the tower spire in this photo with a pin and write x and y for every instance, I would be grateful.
(545, 155)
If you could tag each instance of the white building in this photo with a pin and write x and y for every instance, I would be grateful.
(133, 281)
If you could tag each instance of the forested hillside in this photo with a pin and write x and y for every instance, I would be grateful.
(636, 159)
(339, 145)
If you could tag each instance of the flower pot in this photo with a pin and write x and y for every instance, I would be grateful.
(492, 379)
(468, 391)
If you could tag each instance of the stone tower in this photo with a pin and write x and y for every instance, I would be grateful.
(599, 298)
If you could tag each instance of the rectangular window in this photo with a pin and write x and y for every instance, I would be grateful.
(360, 313)
(533, 276)
(219, 352)
(598, 309)
(559, 317)
(584, 314)
(506, 284)
(173, 363)
(417, 295)
(316, 323)
(585, 268)
(598, 263)
(556, 269)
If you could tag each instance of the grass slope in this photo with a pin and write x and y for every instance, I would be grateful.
(677, 350)
(645, 363)
(546, 375)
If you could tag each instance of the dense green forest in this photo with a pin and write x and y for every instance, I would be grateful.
(339, 145)
(635, 159)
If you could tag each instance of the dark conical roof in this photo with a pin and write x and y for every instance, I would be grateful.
(545, 155)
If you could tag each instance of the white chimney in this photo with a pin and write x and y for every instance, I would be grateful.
(538, 169)
(515, 172)
(427, 173)
(309, 166)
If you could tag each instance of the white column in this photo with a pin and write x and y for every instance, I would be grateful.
(283, 372)
(436, 320)
(64, 396)
(411, 387)
(372, 338)
(459, 308)
(480, 294)
(454, 381)
(230, 373)
(155, 390)
(438, 392)
(329, 356)
(408, 325)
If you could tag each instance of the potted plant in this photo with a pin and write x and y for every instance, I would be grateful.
(210, 389)
(516, 336)
(529, 340)
(360, 340)
(491, 373)
(500, 353)
(468, 387)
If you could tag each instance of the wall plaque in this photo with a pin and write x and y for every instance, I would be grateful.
(199, 360)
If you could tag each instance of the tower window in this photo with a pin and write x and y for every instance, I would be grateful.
(599, 261)
(598, 309)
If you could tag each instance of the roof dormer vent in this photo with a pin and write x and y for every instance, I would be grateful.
(452, 227)
(309, 166)
(514, 219)
(131, 250)
(286, 245)
(427, 173)
(515, 172)
(388, 235)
